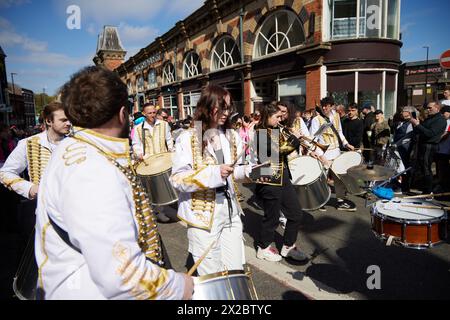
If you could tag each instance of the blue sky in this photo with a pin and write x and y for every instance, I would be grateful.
(44, 52)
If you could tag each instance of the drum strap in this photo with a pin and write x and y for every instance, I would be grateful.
(63, 235)
(341, 145)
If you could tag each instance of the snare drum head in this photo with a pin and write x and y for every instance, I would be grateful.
(399, 209)
(155, 164)
(346, 161)
(305, 170)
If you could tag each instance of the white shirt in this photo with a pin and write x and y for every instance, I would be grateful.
(92, 200)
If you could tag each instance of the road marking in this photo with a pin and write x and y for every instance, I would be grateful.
(313, 290)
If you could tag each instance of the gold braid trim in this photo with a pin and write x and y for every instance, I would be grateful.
(203, 200)
(38, 158)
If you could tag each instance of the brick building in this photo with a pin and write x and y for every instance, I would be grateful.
(262, 50)
(4, 101)
(29, 108)
(414, 76)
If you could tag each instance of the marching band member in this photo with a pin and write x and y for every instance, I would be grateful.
(334, 137)
(204, 174)
(32, 155)
(152, 137)
(276, 190)
(96, 236)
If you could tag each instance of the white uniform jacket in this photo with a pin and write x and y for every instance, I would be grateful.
(196, 175)
(91, 198)
(159, 138)
(328, 136)
(32, 154)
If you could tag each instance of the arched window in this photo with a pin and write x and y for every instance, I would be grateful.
(130, 87)
(191, 65)
(152, 83)
(281, 30)
(226, 53)
(140, 84)
(168, 73)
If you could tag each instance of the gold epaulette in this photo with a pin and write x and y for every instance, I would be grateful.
(38, 157)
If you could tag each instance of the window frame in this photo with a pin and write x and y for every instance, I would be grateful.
(194, 69)
(277, 50)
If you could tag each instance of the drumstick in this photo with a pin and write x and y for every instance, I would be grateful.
(195, 266)
(425, 207)
(428, 195)
(261, 165)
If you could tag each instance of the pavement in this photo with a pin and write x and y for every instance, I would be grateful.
(343, 250)
(344, 254)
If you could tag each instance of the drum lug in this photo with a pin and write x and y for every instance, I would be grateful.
(404, 225)
(429, 235)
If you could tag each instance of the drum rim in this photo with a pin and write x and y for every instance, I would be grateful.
(156, 156)
(164, 204)
(217, 275)
(322, 173)
(383, 216)
(334, 161)
(154, 174)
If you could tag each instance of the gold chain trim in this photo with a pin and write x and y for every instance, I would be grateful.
(203, 200)
(148, 236)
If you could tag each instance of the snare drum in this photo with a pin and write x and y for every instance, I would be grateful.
(340, 166)
(154, 173)
(227, 285)
(310, 182)
(412, 227)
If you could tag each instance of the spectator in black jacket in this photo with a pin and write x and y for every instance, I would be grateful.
(353, 126)
(368, 112)
(429, 135)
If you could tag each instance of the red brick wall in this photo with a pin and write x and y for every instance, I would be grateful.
(316, 7)
(312, 87)
(112, 64)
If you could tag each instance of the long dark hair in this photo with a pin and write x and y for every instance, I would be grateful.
(266, 112)
(211, 97)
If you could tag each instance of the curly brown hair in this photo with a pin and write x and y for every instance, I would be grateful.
(212, 96)
(93, 96)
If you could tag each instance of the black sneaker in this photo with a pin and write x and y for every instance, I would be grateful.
(346, 205)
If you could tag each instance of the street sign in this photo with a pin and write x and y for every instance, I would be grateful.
(445, 60)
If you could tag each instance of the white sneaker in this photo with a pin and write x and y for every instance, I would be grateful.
(269, 254)
(293, 253)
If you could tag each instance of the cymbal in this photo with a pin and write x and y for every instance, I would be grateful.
(374, 173)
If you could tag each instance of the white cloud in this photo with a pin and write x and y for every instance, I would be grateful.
(137, 34)
(10, 38)
(406, 27)
(52, 59)
(112, 12)
(11, 3)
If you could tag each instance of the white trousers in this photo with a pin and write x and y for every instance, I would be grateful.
(228, 252)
